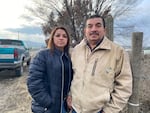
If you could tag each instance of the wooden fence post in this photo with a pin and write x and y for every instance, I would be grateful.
(136, 64)
(109, 27)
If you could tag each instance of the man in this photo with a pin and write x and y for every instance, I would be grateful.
(102, 80)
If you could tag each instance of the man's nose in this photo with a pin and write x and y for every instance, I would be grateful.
(94, 28)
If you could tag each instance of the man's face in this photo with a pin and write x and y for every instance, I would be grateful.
(94, 29)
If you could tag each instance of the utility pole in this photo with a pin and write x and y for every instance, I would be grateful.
(18, 35)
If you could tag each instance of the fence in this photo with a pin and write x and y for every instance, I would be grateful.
(137, 103)
(136, 64)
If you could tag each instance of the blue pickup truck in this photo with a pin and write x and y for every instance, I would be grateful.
(13, 55)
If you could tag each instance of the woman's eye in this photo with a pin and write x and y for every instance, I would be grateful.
(64, 36)
(57, 35)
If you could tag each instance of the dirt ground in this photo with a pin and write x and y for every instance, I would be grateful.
(14, 97)
(145, 86)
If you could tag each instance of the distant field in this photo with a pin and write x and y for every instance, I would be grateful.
(147, 51)
(34, 51)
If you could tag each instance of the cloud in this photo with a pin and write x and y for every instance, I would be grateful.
(23, 35)
(139, 21)
(13, 26)
(27, 30)
(10, 11)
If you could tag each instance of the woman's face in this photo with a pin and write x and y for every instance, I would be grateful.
(60, 39)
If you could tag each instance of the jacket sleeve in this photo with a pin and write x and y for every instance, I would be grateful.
(122, 87)
(35, 82)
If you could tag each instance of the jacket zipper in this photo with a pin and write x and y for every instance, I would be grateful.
(62, 83)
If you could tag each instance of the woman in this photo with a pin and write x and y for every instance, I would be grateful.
(50, 74)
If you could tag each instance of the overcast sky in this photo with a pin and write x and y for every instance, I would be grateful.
(13, 26)
(140, 21)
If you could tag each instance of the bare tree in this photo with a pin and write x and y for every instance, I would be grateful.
(72, 13)
(124, 7)
(47, 27)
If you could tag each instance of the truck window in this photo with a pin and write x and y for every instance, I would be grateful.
(11, 42)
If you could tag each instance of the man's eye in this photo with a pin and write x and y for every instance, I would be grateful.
(98, 25)
(89, 26)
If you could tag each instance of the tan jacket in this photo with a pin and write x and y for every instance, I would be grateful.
(102, 78)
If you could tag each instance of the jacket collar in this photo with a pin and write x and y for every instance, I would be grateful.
(105, 44)
(59, 52)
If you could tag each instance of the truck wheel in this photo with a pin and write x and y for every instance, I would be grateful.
(28, 62)
(19, 71)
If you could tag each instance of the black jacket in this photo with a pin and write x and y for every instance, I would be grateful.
(46, 81)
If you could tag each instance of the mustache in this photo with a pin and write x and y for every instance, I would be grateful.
(94, 33)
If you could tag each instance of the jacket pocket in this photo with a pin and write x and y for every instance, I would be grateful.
(37, 108)
(94, 67)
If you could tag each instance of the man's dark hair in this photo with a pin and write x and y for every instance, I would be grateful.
(97, 16)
